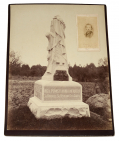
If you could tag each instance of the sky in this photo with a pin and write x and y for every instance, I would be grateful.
(30, 23)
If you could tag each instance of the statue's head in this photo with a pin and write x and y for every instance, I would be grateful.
(59, 18)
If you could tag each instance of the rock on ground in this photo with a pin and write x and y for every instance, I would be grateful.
(100, 104)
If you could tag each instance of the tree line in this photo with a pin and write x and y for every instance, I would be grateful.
(88, 73)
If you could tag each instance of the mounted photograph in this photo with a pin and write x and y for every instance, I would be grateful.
(58, 80)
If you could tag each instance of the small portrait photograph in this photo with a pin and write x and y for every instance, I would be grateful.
(88, 32)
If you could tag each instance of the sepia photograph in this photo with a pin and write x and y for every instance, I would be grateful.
(88, 33)
(58, 71)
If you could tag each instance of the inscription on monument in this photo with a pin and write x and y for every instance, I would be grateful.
(58, 93)
(38, 91)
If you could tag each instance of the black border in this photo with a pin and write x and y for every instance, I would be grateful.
(55, 132)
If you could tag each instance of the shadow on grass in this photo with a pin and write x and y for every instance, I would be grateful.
(23, 119)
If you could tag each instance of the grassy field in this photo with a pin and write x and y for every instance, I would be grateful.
(20, 117)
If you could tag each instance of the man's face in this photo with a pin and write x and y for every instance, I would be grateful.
(88, 27)
(88, 31)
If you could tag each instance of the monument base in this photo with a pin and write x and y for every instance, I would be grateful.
(50, 110)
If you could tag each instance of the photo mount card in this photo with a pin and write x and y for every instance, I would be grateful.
(88, 33)
(58, 80)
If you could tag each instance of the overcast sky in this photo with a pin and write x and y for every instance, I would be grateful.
(30, 23)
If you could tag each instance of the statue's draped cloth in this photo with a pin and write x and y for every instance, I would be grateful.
(56, 47)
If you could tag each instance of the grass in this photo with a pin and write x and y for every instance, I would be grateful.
(22, 119)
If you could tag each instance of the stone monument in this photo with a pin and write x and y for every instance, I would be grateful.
(57, 58)
(56, 95)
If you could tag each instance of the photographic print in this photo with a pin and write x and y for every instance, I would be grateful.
(88, 33)
(58, 72)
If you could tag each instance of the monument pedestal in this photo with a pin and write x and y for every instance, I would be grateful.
(57, 99)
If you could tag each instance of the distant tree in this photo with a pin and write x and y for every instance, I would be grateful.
(80, 65)
(103, 62)
(14, 63)
(37, 70)
(17, 68)
(101, 73)
(92, 70)
(100, 62)
(102, 69)
(25, 70)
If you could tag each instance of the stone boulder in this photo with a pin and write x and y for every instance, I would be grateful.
(100, 104)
